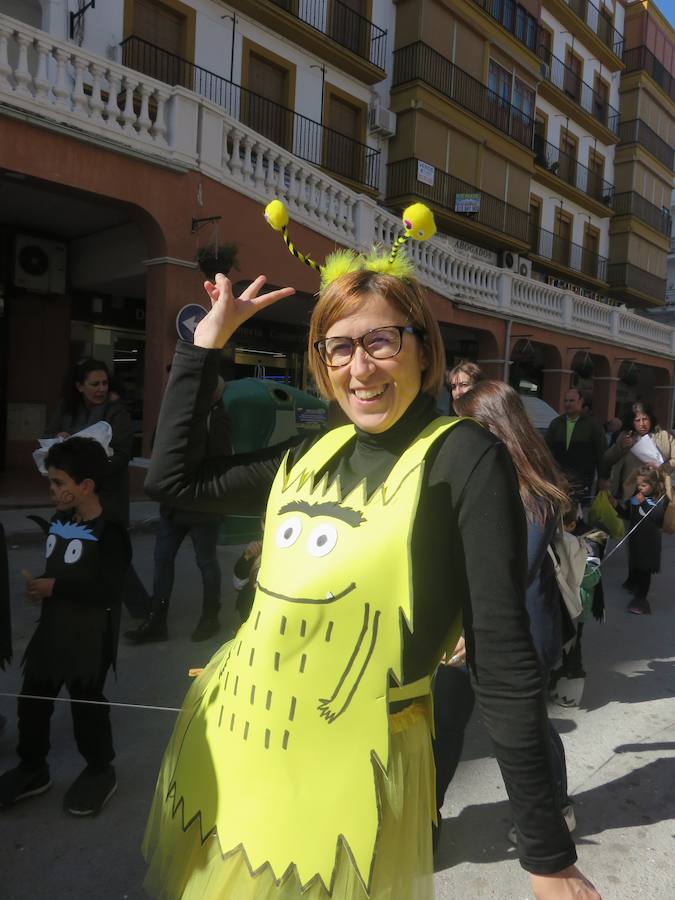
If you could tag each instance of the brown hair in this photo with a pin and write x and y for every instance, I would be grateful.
(652, 477)
(498, 407)
(468, 368)
(347, 294)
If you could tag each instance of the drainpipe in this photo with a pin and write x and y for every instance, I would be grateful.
(507, 351)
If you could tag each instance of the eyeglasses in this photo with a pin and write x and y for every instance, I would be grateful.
(378, 343)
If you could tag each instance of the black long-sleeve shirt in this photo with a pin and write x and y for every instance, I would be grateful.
(469, 551)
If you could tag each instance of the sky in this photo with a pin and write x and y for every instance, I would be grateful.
(667, 7)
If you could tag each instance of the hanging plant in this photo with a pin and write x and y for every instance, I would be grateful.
(217, 258)
(584, 368)
(630, 376)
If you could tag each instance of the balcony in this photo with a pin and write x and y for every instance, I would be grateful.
(567, 254)
(402, 181)
(420, 62)
(640, 58)
(564, 166)
(635, 131)
(515, 18)
(630, 203)
(626, 276)
(309, 140)
(561, 76)
(589, 13)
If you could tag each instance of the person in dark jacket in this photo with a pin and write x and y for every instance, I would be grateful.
(578, 443)
(646, 510)
(175, 523)
(544, 495)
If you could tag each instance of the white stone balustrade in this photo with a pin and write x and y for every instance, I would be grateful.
(53, 83)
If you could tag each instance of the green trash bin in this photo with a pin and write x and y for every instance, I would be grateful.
(263, 413)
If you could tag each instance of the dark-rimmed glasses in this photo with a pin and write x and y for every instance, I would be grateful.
(379, 343)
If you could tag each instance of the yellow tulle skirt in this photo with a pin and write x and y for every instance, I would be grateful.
(182, 868)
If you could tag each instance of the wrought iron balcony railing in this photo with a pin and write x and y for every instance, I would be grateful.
(559, 250)
(635, 131)
(305, 138)
(343, 25)
(449, 193)
(630, 203)
(566, 80)
(641, 58)
(565, 166)
(515, 18)
(626, 275)
(589, 13)
(419, 61)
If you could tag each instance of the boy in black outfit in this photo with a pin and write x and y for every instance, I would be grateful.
(75, 641)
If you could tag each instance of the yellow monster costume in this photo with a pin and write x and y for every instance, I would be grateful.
(282, 752)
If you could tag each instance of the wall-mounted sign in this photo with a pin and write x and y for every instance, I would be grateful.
(425, 173)
(467, 203)
(187, 319)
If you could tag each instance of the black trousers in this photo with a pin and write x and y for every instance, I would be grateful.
(91, 721)
(639, 582)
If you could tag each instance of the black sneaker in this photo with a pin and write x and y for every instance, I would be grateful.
(90, 792)
(205, 628)
(18, 783)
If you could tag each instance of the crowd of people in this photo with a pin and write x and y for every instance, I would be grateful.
(367, 594)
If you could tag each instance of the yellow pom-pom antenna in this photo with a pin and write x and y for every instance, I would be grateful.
(276, 215)
(419, 225)
(340, 263)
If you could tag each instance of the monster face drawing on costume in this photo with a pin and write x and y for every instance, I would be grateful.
(300, 696)
(70, 549)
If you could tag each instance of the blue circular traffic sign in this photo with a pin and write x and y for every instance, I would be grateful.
(187, 319)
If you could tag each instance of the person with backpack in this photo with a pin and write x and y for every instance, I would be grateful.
(545, 498)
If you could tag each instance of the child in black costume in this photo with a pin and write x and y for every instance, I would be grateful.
(75, 642)
(647, 507)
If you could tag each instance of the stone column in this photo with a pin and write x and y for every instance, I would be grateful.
(170, 284)
(604, 397)
(556, 383)
(663, 405)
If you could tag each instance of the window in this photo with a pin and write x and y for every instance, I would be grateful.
(596, 174)
(562, 238)
(539, 143)
(164, 45)
(343, 150)
(545, 44)
(606, 26)
(523, 102)
(601, 100)
(350, 26)
(567, 164)
(499, 98)
(591, 249)
(265, 100)
(573, 71)
(534, 223)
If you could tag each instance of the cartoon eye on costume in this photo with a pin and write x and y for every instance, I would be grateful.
(322, 540)
(73, 552)
(51, 543)
(288, 532)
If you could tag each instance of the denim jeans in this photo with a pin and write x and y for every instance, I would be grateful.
(204, 538)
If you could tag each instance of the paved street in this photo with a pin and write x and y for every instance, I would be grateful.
(620, 747)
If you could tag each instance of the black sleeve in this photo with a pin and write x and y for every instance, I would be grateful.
(180, 472)
(503, 662)
(103, 589)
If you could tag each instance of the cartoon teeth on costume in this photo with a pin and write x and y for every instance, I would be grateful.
(293, 714)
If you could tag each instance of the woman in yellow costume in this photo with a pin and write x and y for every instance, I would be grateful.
(300, 767)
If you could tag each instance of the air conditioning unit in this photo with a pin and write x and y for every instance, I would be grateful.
(545, 70)
(381, 120)
(39, 265)
(525, 267)
(509, 260)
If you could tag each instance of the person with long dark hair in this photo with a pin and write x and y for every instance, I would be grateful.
(543, 492)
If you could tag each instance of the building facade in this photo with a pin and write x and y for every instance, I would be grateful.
(141, 139)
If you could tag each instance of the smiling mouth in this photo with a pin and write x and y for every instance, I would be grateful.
(367, 395)
(329, 598)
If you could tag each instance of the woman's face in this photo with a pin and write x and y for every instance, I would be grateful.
(374, 393)
(460, 383)
(94, 388)
(642, 423)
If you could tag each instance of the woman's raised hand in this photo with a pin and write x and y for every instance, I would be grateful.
(228, 312)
